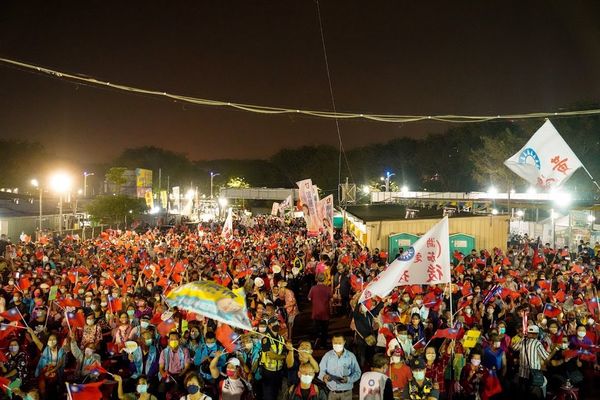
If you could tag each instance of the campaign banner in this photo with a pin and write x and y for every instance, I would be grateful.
(213, 301)
(309, 206)
(275, 209)
(325, 211)
(427, 262)
(546, 160)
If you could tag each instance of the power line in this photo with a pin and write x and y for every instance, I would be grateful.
(393, 118)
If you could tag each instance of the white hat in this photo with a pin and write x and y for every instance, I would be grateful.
(295, 271)
(258, 282)
(276, 269)
(234, 361)
(533, 329)
(44, 286)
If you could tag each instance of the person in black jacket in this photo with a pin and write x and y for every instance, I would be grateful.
(366, 334)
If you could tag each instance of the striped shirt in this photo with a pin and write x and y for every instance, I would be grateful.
(531, 355)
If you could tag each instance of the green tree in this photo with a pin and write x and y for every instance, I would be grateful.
(237, 182)
(116, 176)
(115, 209)
(488, 160)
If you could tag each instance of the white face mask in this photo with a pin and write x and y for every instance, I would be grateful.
(396, 359)
(418, 302)
(430, 357)
(565, 346)
(338, 348)
(581, 334)
(262, 329)
(419, 375)
(144, 324)
(475, 362)
(306, 379)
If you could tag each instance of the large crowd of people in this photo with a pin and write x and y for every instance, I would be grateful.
(88, 319)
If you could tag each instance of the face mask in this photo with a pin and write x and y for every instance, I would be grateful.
(90, 322)
(103, 304)
(468, 311)
(406, 299)
(581, 334)
(262, 329)
(193, 389)
(418, 302)
(211, 345)
(248, 346)
(144, 324)
(275, 329)
(564, 346)
(13, 349)
(230, 373)
(142, 388)
(130, 313)
(419, 375)
(338, 348)
(490, 310)
(89, 352)
(94, 307)
(306, 379)
(17, 299)
(553, 330)
(396, 359)
(544, 321)
(497, 344)
(502, 330)
(430, 357)
(173, 343)
(475, 362)
(403, 336)
(51, 343)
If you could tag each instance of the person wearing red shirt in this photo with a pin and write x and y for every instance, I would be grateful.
(320, 295)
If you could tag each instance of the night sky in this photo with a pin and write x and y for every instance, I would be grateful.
(401, 57)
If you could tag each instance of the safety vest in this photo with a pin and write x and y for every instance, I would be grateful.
(417, 392)
(266, 361)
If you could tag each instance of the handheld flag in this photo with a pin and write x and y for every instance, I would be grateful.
(89, 391)
(546, 160)
(213, 301)
(11, 315)
(551, 311)
(227, 337)
(449, 333)
(426, 263)
(227, 231)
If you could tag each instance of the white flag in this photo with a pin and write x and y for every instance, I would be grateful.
(425, 263)
(287, 203)
(275, 209)
(546, 160)
(227, 231)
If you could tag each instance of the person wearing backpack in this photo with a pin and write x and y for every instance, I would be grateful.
(375, 384)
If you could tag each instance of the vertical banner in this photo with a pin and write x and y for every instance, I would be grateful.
(227, 231)
(275, 209)
(163, 198)
(176, 198)
(285, 205)
(309, 206)
(327, 215)
(149, 199)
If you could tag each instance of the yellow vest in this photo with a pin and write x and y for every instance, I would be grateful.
(268, 362)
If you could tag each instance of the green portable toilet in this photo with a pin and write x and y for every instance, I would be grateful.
(399, 241)
(338, 221)
(462, 242)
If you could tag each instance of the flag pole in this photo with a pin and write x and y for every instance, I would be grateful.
(69, 391)
(590, 175)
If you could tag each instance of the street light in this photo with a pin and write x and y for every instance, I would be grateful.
(223, 202)
(366, 189)
(494, 211)
(212, 175)
(36, 183)
(60, 182)
(492, 191)
(562, 199)
(404, 189)
(388, 175)
(591, 218)
(85, 175)
(520, 213)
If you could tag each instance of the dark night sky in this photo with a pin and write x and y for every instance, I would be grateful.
(385, 57)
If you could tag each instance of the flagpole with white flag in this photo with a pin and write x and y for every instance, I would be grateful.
(227, 230)
(546, 160)
(427, 262)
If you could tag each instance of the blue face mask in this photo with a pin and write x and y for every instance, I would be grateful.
(142, 388)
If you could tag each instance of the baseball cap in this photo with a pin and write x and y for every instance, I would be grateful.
(417, 363)
(258, 282)
(234, 361)
(533, 329)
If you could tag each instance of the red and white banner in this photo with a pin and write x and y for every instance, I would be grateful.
(285, 205)
(325, 211)
(427, 262)
(227, 231)
(275, 209)
(546, 160)
(309, 205)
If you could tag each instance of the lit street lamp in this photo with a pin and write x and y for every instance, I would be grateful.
(387, 180)
(60, 183)
(212, 175)
(85, 175)
(36, 183)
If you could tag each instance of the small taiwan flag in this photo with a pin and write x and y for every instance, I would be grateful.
(449, 333)
(76, 319)
(89, 391)
(551, 311)
(227, 337)
(11, 315)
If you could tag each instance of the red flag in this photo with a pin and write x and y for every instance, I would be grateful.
(69, 303)
(3, 357)
(76, 319)
(96, 367)
(11, 315)
(164, 327)
(560, 296)
(24, 283)
(577, 269)
(551, 311)
(6, 330)
(4, 382)
(227, 337)
(492, 386)
(466, 289)
(115, 304)
(156, 319)
(89, 391)
(448, 333)
(356, 283)
(546, 285)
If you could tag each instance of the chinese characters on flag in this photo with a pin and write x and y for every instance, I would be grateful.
(426, 263)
